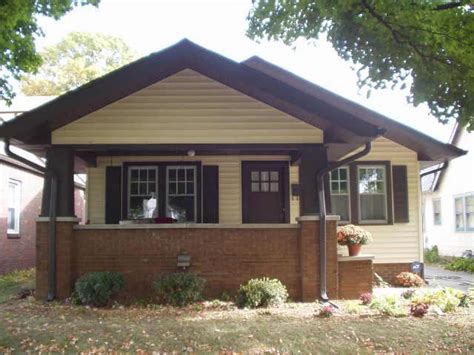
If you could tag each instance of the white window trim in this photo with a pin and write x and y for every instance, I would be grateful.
(340, 194)
(372, 221)
(17, 207)
(440, 211)
(129, 187)
(194, 194)
(464, 212)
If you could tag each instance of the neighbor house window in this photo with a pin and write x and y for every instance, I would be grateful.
(143, 182)
(372, 194)
(437, 212)
(181, 193)
(464, 212)
(340, 200)
(13, 207)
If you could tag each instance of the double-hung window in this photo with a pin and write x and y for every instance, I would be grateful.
(372, 199)
(143, 183)
(13, 206)
(464, 212)
(181, 193)
(340, 194)
(437, 212)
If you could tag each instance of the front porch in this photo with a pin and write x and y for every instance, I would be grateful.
(225, 255)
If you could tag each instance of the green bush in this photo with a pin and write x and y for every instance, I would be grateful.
(98, 288)
(461, 264)
(179, 289)
(389, 305)
(261, 293)
(445, 299)
(432, 255)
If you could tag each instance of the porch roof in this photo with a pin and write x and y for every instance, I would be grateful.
(346, 125)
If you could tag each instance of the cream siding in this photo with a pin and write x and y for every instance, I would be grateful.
(400, 242)
(230, 191)
(187, 108)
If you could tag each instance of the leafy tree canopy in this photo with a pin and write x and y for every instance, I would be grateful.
(18, 30)
(426, 44)
(77, 59)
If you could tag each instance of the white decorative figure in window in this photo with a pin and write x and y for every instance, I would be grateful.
(149, 206)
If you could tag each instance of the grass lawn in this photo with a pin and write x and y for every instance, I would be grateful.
(28, 325)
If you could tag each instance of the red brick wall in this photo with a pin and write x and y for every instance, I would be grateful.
(18, 251)
(355, 277)
(389, 271)
(225, 257)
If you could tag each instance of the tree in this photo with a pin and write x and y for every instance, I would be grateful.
(426, 44)
(77, 59)
(18, 29)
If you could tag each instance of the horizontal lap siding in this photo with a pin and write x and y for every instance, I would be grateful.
(230, 202)
(400, 242)
(187, 108)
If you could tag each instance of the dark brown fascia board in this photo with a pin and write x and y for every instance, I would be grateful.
(33, 126)
(427, 147)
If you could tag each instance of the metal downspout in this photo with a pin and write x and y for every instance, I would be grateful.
(322, 215)
(52, 217)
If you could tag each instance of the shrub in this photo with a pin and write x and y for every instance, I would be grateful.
(445, 299)
(261, 293)
(366, 298)
(327, 311)
(389, 305)
(419, 309)
(98, 288)
(432, 255)
(461, 264)
(353, 307)
(408, 279)
(179, 289)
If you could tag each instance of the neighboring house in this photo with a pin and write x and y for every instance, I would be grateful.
(448, 202)
(232, 152)
(20, 198)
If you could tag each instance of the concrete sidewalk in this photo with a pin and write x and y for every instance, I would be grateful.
(437, 276)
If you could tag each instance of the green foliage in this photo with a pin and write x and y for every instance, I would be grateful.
(461, 264)
(262, 292)
(446, 299)
(353, 307)
(77, 59)
(13, 282)
(426, 44)
(179, 289)
(432, 255)
(18, 30)
(97, 288)
(389, 305)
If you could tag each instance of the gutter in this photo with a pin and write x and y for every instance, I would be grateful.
(52, 217)
(322, 215)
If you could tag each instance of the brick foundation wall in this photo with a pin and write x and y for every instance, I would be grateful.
(355, 277)
(388, 272)
(225, 257)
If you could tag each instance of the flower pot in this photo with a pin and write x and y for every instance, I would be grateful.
(354, 249)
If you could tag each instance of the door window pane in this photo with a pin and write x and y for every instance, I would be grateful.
(339, 186)
(264, 181)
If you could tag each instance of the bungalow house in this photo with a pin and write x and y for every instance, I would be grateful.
(448, 202)
(21, 187)
(252, 164)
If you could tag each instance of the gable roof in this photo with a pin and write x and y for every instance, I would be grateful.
(342, 120)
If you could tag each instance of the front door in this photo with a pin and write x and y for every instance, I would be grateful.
(265, 192)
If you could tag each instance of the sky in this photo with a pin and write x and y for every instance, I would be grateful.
(220, 25)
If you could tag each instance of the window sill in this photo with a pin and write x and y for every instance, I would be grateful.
(13, 235)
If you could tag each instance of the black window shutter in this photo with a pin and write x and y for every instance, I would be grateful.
(210, 194)
(113, 193)
(400, 193)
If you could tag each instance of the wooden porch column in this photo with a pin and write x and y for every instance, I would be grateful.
(312, 160)
(61, 161)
